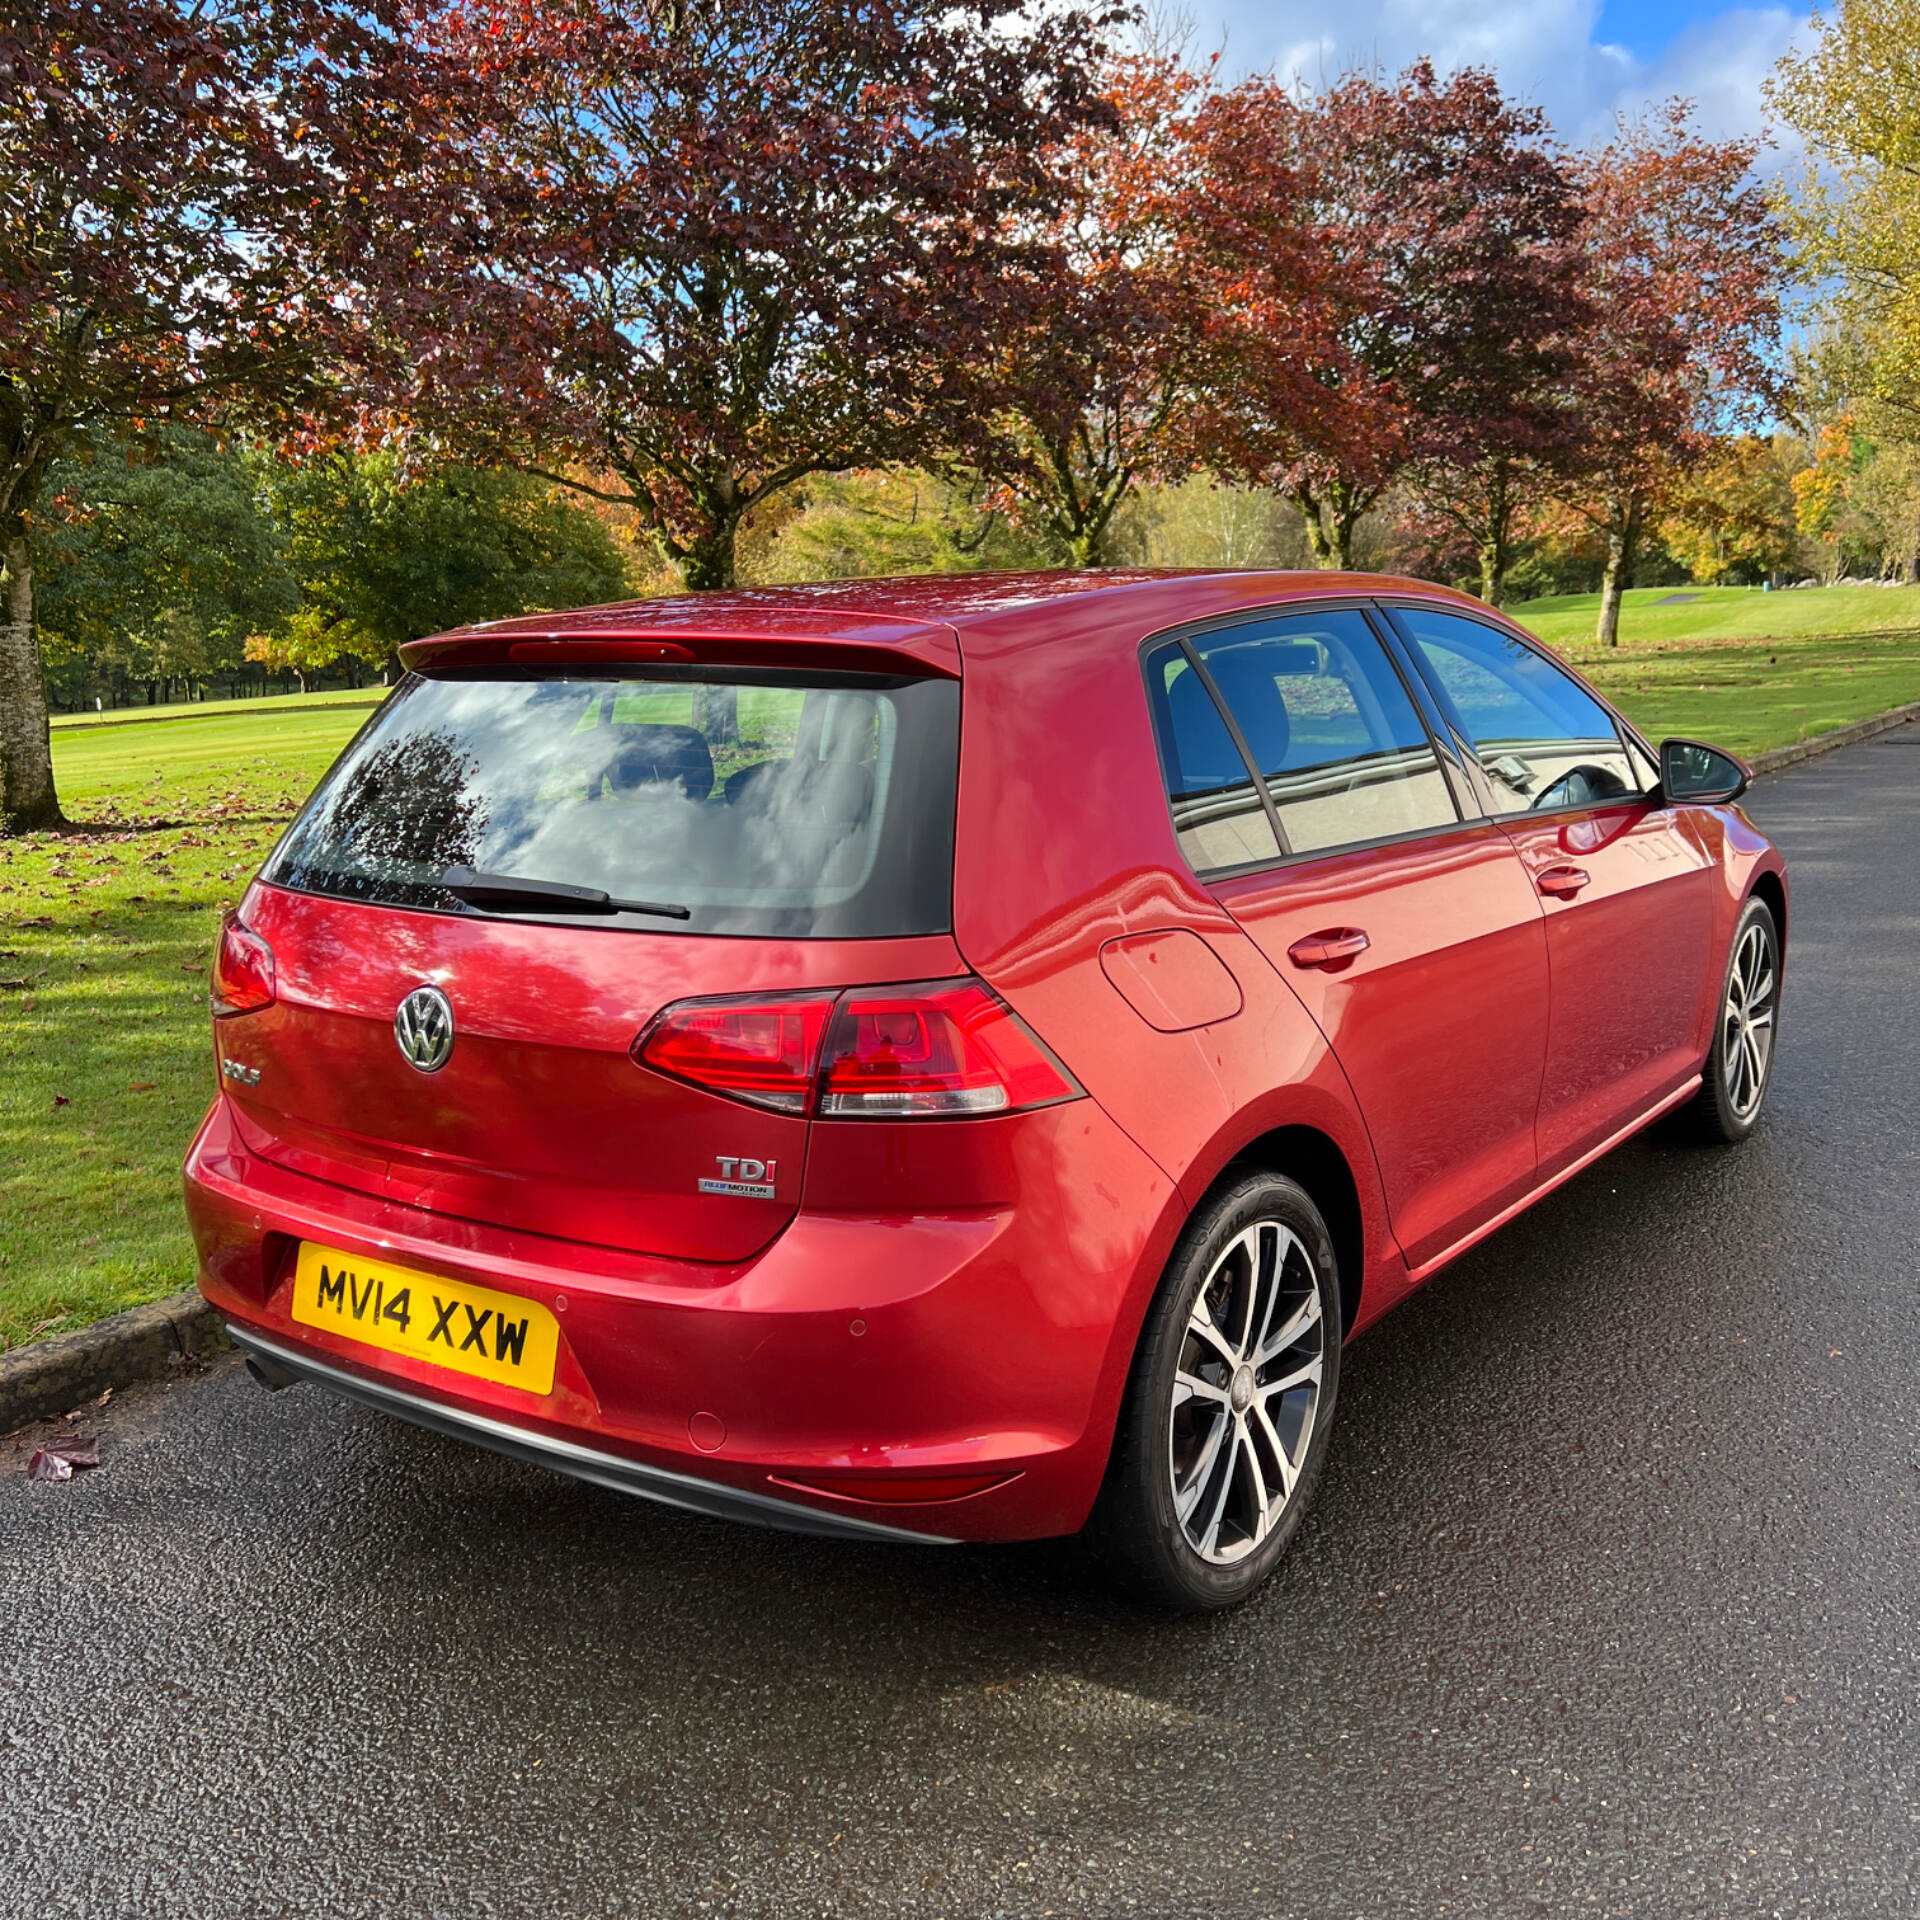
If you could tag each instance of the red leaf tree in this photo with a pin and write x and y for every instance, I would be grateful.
(1685, 262)
(1434, 222)
(683, 256)
(172, 176)
(1090, 381)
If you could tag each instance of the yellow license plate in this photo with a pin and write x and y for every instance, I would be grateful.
(450, 1323)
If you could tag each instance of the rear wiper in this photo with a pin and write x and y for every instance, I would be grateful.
(503, 892)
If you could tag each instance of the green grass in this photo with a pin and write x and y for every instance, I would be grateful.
(201, 709)
(1753, 695)
(1651, 614)
(105, 1065)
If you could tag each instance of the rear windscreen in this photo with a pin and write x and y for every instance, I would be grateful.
(779, 804)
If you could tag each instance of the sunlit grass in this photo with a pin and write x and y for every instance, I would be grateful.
(105, 933)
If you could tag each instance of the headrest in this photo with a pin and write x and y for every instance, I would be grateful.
(1244, 676)
(647, 755)
(1201, 743)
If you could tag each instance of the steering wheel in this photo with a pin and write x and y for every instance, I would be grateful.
(1597, 784)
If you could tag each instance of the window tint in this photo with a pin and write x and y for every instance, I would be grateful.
(1217, 812)
(1543, 739)
(789, 805)
(1332, 728)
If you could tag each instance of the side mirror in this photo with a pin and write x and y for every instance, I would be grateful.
(1690, 770)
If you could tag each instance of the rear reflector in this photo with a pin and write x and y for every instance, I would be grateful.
(930, 1049)
(904, 1489)
(242, 971)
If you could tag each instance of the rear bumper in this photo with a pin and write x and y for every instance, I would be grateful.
(870, 1349)
(569, 1457)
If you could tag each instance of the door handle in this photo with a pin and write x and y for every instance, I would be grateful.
(1331, 948)
(1562, 882)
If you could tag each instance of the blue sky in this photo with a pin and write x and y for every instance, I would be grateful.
(1583, 61)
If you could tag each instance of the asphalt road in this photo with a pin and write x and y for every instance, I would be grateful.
(1610, 1605)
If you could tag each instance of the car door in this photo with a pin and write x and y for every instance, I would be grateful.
(1624, 884)
(1313, 800)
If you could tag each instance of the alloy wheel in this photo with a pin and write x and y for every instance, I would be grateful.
(1246, 1393)
(1747, 1020)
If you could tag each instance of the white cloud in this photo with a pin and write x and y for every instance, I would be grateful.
(1543, 50)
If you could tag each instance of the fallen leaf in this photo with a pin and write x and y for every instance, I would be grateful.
(61, 1100)
(141, 1086)
(57, 1458)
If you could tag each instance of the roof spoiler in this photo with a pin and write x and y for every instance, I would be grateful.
(919, 651)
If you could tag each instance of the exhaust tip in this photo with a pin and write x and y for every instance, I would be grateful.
(271, 1374)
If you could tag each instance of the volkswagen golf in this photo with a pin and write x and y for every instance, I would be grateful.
(956, 1058)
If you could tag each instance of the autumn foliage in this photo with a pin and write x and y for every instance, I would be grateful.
(681, 255)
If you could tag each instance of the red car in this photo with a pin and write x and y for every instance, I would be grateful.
(955, 1058)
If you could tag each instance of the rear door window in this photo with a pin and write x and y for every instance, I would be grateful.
(1542, 739)
(789, 805)
(1329, 725)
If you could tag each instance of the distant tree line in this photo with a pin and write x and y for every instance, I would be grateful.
(322, 324)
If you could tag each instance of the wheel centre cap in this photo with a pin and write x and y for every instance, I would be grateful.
(1242, 1390)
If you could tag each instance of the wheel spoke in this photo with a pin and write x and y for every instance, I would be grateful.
(1289, 1470)
(1210, 1534)
(1201, 1326)
(1190, 1386)
(1263, 1513)
(1187, 1497)
(1300, 1377)
(1302, 1317)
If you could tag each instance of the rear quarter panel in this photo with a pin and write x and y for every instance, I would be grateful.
(1064, 843)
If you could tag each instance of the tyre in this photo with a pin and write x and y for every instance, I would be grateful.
(1224, 1429)
(1739, 1064)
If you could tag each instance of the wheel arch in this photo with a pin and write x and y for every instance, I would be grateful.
(1768, 886)
(1315, 1160)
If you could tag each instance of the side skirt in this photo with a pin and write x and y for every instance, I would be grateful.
(1677, 1097)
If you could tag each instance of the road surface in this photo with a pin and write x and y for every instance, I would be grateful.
(1611, 1604)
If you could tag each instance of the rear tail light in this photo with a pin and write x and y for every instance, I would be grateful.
(242, 971)
(934, 1048)
(940, 1046)
(760, 1050)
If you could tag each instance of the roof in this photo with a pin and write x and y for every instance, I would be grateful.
(916, 617)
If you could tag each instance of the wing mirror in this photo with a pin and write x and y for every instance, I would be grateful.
(1690, 770)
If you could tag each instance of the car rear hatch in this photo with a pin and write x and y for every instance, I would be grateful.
(529, 853)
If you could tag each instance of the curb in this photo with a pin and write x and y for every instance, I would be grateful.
(1783, 757)
(55, 1375)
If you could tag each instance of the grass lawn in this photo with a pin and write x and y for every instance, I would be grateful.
(1751, 695)
(105, 933)
(105, 1065)
(1726, 613)
(202, 709)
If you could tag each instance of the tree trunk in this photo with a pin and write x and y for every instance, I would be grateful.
(1623, 535)
(716, 712)
(706, 563)
(1493, 572)
(1496, 533)
(28, 799)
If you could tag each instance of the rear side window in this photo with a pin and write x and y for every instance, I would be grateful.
(1331, 728)
(1542, 738)
(786, 805)
(1218, 815)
